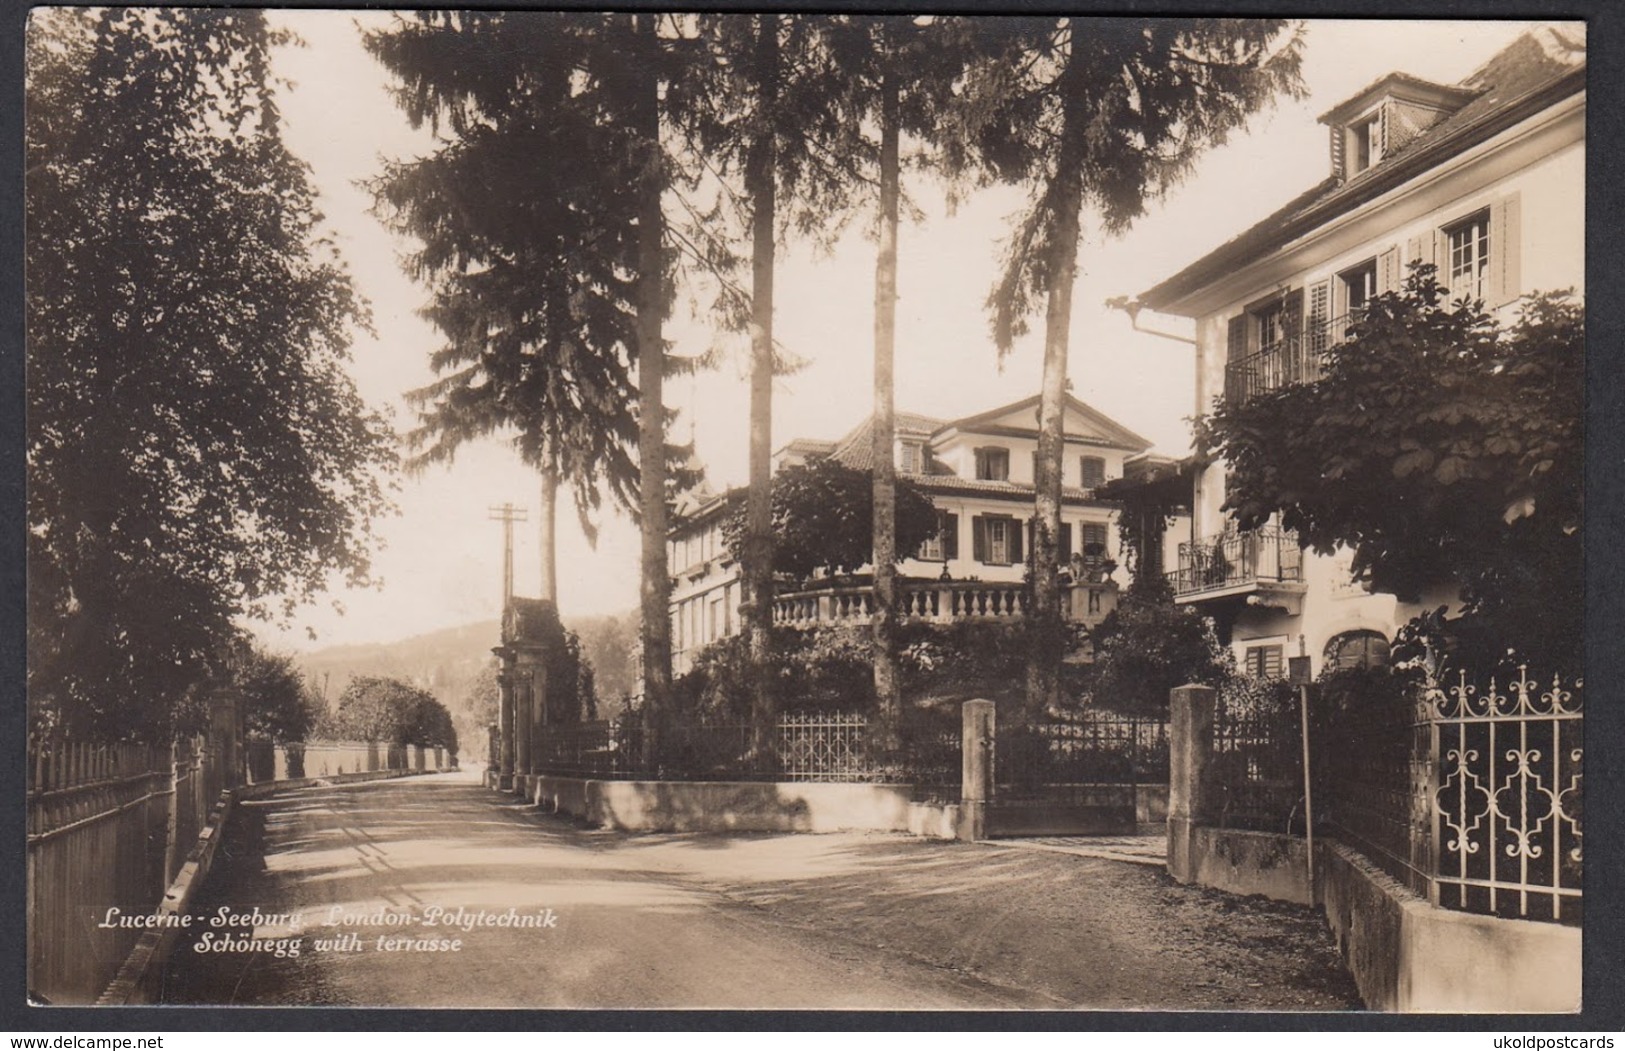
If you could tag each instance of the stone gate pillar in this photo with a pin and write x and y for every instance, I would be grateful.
(1191, 712)
(504, 723)
(976, 768)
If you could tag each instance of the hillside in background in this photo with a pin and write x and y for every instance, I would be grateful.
(449, 664)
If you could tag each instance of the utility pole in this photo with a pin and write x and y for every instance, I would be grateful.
(507, 514)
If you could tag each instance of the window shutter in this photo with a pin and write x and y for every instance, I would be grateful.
(1066, 541)
(1388, 270)
(1236, 343)
(1337, 136)
(1093, 472)
(1505, 241)
(1015, 543)
(1320, 310)
(950, 537)
(1094, 533)
(981, 463)
(1035, 467)
(978, 538)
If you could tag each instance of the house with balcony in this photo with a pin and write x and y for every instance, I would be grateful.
(1485, 180)
(978, 472)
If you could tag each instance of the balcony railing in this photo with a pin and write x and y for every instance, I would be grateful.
(940, 602)
(1298, 358)
(1231, 560)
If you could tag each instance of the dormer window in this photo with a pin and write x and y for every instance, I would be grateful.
(911, 457)
(1381, 120)
(1365, 142)
(993, 465)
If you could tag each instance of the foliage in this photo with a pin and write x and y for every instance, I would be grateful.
(1104, 114)
(277, 703)
(829, 669)
(527, 220)
(1443, 449)
(195, 449)
(1107, 114)
(823, 515)
(572, 692)
(1147, 646)
(389, 710)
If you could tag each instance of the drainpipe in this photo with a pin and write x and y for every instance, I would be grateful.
(1132, 308)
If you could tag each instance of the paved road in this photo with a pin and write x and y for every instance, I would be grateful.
(848, 921)
(622, 934)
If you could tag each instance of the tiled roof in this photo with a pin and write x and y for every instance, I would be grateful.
(1536, 70)
(857, 448)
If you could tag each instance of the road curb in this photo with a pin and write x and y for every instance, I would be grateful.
(139, 978)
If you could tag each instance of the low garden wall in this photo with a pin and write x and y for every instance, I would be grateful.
(1409, 955)
(1405, 953)
(724, 806)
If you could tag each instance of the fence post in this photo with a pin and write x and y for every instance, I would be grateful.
(976, 768)
(1190, 743)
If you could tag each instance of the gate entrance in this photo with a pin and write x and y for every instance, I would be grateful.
(1095, 774)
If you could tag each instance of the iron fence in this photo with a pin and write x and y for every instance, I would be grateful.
(1267, 556)
(807, 746)
(1254, 776)
(1470, 796)
(1072, 757)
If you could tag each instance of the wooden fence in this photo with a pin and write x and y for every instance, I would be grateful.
(110, 827)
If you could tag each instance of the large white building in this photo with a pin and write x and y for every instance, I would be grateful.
(978, 472)
(1485, 179)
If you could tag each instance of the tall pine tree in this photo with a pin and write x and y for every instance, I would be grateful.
(1108, 114)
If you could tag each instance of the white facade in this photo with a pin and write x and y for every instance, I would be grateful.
(978, 471)
(1501, 215)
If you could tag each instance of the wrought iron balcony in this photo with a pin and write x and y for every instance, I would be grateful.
(1298, 358)
(1233, 563)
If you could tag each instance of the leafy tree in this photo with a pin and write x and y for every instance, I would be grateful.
(1108, 113)
(1147, 646)
(196, 451)
(389, 710)
(277, 704)
(1443, 449)
(822, 515)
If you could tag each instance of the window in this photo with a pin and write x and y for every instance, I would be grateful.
(995, 540)
(911, 459)
(944, 545)
(719, 618)
(1093, 472)
(1263, 662)
(993, 465)
(1365, 142)
(1358, 284)
(998, 541)
(1094, 541)
(1467, 264)
(1271, 327)
(1357, 649)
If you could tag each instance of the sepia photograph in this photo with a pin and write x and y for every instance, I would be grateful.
(774, 511)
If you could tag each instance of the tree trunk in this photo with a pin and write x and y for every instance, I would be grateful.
(1045, 627)
(887, 694)
(548, 521)
(655, 589)
(759, 180)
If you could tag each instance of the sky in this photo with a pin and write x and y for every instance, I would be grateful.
(442, 560)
